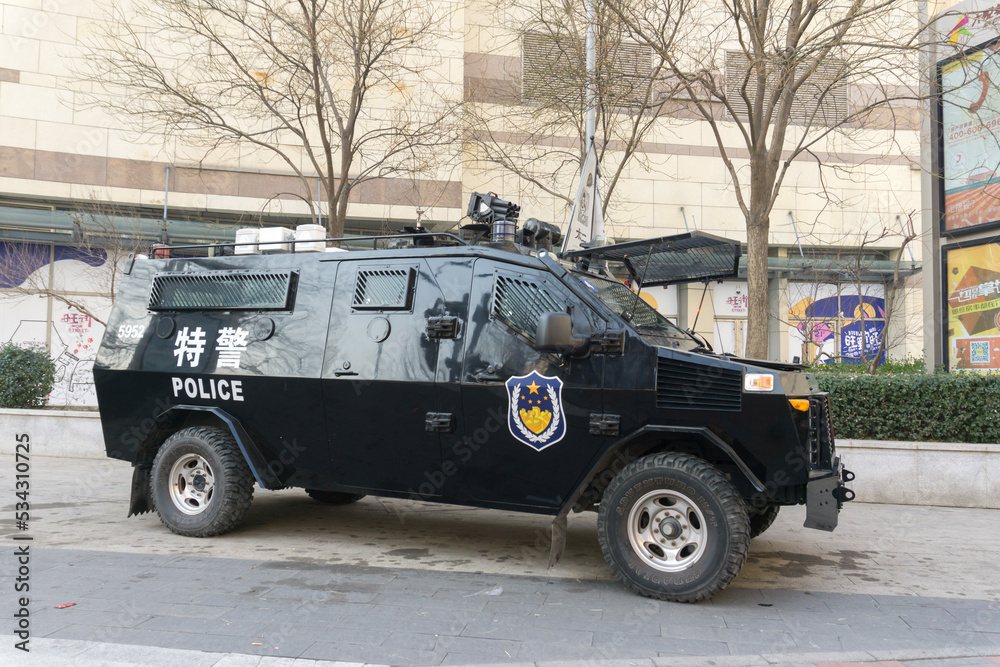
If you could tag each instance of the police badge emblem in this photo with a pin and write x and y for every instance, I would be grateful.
(535, 411)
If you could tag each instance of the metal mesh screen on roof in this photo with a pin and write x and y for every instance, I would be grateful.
(222, 290)
(518, 303)
(821, 100)
(672, 259)
(384, 289)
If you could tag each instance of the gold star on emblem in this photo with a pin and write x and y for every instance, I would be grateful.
(533, 387)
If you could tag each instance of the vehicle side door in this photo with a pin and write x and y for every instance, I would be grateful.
(526, 434)
(379, 375)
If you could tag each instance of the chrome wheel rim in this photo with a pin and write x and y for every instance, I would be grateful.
(667, 530)
(192, 484)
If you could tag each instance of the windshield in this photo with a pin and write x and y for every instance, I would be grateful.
(653, 327)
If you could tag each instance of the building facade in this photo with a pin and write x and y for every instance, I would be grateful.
(840, 278)
(962, 158)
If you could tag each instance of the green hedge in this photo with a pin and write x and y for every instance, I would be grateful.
(961, 407)
(26, 376)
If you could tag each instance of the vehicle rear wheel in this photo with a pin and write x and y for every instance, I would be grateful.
(761, 520)
(334, 497)
(200, 484)
(672, 527)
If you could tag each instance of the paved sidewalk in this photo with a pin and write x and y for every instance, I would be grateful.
(877, 549)
(392, 582)
(283, 608)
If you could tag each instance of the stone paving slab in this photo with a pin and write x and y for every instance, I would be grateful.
(82, 653)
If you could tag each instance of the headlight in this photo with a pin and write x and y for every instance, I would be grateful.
(758, 382)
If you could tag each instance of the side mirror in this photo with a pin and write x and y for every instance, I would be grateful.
(555, 334)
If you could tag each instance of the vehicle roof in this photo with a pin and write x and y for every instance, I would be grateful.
(290, 259)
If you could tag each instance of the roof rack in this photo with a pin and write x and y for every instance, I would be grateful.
(350, 239)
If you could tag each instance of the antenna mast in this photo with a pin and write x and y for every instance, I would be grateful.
(586, 218)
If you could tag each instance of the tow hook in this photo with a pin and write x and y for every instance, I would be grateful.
(842, 493)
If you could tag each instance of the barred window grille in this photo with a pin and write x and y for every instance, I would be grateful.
(821, 100)
(552, 67)
(624, 300)
(384, 289)
(518, 303)
(223, 290)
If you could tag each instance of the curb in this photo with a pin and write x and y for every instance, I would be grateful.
(100, 654)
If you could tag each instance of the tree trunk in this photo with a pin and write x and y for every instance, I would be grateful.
(338, 214)
(758, 308)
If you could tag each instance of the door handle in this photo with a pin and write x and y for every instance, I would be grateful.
(343, 373)
(488, 374)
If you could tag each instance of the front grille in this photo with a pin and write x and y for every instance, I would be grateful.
(684, 386)
(223, 290)
(821, 443)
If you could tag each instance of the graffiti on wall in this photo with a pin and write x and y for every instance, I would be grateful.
(72, 336)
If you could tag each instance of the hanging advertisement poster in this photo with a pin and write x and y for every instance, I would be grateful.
(970, 138)
(823, 314)
(730, 298)
(861, 340)
(972, 279)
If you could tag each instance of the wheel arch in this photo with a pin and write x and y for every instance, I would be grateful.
(698, 441)
(180, 417)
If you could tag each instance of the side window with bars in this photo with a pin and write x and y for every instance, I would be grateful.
(384, 288)
(517, 302)
(223, 290)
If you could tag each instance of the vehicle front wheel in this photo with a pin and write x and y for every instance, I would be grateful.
(200, 483)
(334, 497)
(672, 527)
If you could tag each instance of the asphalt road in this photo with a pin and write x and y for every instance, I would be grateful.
(396, 582)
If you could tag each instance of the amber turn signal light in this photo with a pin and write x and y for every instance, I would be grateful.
(799, 404)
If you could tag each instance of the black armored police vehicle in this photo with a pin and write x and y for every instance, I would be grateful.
(492, 374)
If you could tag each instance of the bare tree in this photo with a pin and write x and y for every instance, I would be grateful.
(342, 90)
(534, 126)
(103, 237)
(897, 327)
(780, 82)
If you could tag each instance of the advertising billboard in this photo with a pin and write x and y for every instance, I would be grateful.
(972, 278)
(970, 138)
(833, 322)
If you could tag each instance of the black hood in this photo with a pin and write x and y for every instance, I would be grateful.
(763, 363)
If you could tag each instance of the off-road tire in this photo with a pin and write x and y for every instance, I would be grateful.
(761, 520)
(726, 531)
(233, 482)
(334, 497)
